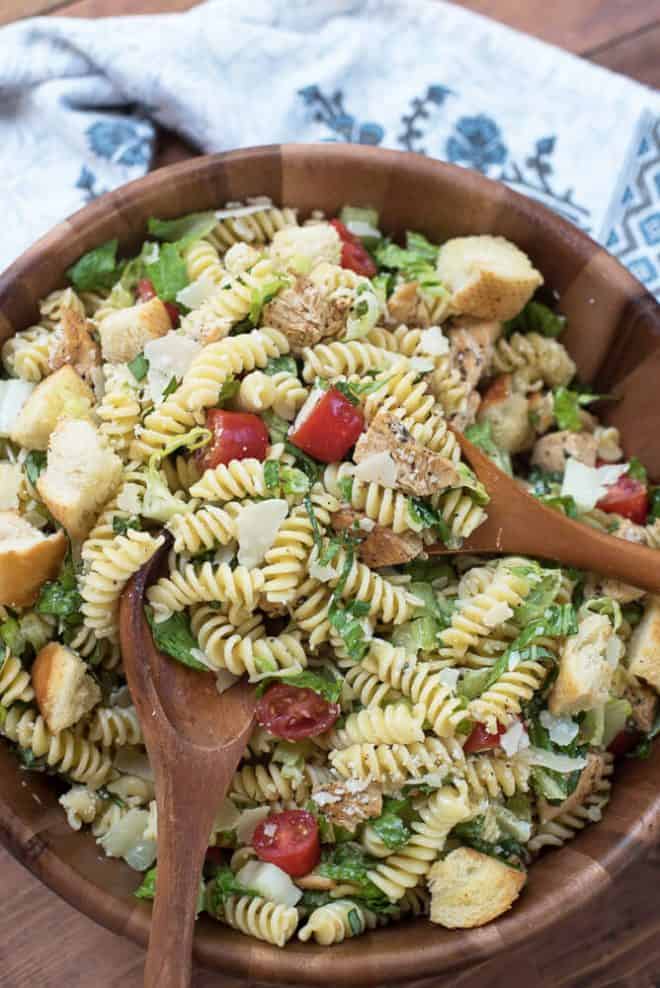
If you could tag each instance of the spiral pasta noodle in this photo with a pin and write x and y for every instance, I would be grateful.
(502, 703)
(26, 354)
(382, 505)
(533, 358)
(343, 358)
(114, 727)
(119, 410)
(397, 722)
(408, 675)
(335, 921)
(389, 603)
(259, 918)
(199, 585)
(258, 226)
(200, 530)
(202, 258)
(70, 754)
(394, 765)
(245, 647)
(14, 682)
(403, 869)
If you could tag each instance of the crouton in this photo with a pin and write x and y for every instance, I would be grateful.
(27, 559)
(472, 347)
(62, 393)
(590, 776)
(124, 333)
(488, 276)
(381, 547)
(82, 473)
(644, 646)
(419, 471)
(508, 414)
(644, 703)
(317, 242)
(64, 690)
(469, 888)
(304, 315)
(74, 345)
(551, 452)
(349, 803)
(11, 480)
(586, 666)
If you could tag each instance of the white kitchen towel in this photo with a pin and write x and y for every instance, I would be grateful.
(79, 98)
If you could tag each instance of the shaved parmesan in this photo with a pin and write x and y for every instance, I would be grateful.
(421, 365)
(169, 357)
(515, 739)
(614, 651)
(311, 402)
(367, 524)
(233, 211)
(227, 816)
(224, 680)
(125, 833)
(130, 499)
(433, 341)
(10, 482)
(449, 677)
(317, 571)
(248, 821)
(197, 291)
(379, 468)
(497, 614)
(586, 485)
(13, 395)
(256, 528)
(562, 730)
(552, 760)
(270, 882)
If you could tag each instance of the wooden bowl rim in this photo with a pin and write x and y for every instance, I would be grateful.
(378, 957)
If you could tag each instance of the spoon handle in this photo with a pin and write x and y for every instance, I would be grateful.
(182, 843)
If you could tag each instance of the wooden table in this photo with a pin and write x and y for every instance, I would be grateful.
(617, 941)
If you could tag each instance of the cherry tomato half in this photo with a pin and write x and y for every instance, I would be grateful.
(294, 712)
(329, 430)
(624, 742)
(289, 840)
(354, 254)
(235, 436)
(627, 497)
(482, 740)
(145, 290)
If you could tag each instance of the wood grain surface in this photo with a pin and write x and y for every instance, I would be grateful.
(616, 942)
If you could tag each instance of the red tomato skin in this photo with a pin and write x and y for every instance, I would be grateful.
(354, 254)
(235, 436)
(145, 290)
(624, 742)
(331, 428)
(293, 713)
(295, 845)
(628, 498)
(173, 313)
(482, 740)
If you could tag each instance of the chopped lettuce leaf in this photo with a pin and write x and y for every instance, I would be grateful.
(481, 434)
(60, 597)
(278, 364)
(175, 638)
(536, 318)
(35, 462)
(278, 428)
(348, 863)
(393, 824)
(97, 269)
(262, 294)
(322, 681)
(147, 890)
(168, 273)
(185, 229)
(282, 479)
(423, 515)
(139, 367)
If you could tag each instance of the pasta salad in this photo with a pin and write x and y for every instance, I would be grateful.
(275, 401)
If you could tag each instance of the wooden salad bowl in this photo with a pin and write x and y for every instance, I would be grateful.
(613, 335)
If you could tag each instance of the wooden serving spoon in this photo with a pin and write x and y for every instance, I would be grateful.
(520, 524)
(195, 738)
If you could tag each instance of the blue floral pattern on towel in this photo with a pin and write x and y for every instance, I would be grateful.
(476, 142)
(120, 141)
(329, 110)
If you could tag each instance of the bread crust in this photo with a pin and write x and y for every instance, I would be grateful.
(469, 889)
(23, 570)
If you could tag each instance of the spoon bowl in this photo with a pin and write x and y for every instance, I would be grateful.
(195, 738)
(519, 524)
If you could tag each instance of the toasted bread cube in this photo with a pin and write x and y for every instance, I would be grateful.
(644, 646)
(488, 276)
(590, 776)
(552, 451)
(469, 888)
(318, 242)
(62, 393)
(124, 333)
(64, 690)
(27, 559)
(82, 473)
(586, 666)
